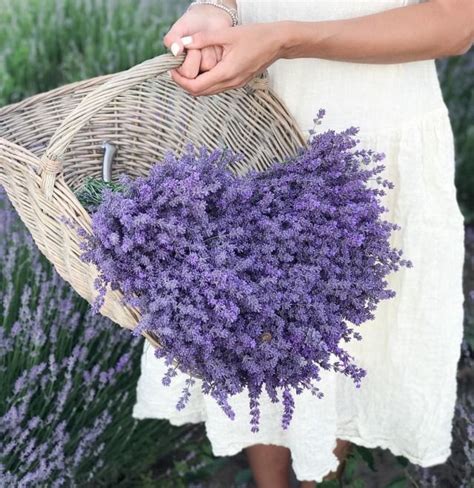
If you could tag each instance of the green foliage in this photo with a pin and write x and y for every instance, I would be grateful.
(403, 461)
(367, 456)
(334, 484)
(194, 464)
(49, 43)
(398, 483)
(367, 465)
(243, 477)
(90, 193)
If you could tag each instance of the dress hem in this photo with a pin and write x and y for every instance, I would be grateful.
(231, 449)
(364, 442)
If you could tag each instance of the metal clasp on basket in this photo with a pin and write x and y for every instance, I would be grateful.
(109, 153)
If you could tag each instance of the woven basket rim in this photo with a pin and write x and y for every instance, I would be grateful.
(38, 212)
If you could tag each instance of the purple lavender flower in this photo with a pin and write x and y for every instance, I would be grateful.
(68, 389)
(254, 280)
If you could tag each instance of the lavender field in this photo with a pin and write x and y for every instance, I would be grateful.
(67, 376)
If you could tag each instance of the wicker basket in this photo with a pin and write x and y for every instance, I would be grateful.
(49, 143)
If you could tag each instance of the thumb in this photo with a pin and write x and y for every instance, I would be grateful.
(174, 36)
(203, 39)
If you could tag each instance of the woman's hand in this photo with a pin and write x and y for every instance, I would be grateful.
(247, 51)
(199, 18)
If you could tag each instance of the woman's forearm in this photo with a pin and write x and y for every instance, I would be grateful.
(422, 31)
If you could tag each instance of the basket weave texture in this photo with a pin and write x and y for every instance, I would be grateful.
(50, 142)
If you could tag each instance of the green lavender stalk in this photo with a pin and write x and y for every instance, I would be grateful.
(90, 193)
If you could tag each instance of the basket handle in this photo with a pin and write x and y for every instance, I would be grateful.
(51, 160)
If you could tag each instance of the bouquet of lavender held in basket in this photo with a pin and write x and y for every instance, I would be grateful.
(249, 281)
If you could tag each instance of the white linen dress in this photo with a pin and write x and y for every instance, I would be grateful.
(411, 349)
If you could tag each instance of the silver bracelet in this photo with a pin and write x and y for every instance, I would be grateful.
(218, 3)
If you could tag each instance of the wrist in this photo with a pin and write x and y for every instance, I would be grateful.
(300, 39)
(225, 6)
(211, 10)
(290, 38)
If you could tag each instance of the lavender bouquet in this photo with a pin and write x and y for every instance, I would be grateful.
(249, 281)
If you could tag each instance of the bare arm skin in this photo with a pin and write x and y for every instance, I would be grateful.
(429, 30)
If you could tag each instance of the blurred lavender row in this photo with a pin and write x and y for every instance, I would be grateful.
(67, 377)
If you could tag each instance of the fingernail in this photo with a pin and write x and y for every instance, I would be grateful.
(169, 74)
(175, 48)
(186, 40)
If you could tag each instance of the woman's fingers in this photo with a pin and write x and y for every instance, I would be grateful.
(246, 51)
(218, 50)
(191, 64)
(208, 58)
(203, 82)
(220, 88)
(172, 40)
(202, 39)
(196, 61)
(218, 76)
(215, 81)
